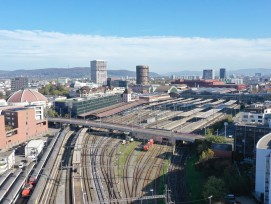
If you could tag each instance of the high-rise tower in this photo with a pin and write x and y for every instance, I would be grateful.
(208, 74)
(19, 83)
(222, 73)
(98, 70)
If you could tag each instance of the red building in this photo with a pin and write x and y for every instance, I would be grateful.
(18, 125)
(208, 83)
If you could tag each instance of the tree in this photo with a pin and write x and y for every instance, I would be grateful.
(1, 95)
(215, 187)
(210, 131)
(206, 155)
(51, 113)
(216, 139)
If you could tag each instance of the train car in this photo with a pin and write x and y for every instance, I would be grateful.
(33, 178)
(27, 190)
(146, 147)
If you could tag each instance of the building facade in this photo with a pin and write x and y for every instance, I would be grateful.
(142, 74)
(19, 83)
(80, 106)
(18, 125)
(263, 167)
(98, 70)
(222, 73)
(254, 122)
(208, 74)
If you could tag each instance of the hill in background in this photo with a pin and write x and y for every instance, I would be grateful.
(76, 72)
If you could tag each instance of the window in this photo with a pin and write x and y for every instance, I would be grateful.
(245, 116)
(260, 116)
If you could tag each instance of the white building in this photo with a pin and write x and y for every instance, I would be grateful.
(237, 81)
(3, 102)
(63, 80)
(126, 97)
(261, 116)
(263, 166)
(7, 160)
(99, 72)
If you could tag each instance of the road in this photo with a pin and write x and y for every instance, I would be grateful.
(128, 128)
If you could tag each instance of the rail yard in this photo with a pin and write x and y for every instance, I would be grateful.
(85, 164)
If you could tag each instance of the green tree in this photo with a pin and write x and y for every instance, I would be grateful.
(1, 95)
(206, 155)
(216, 139)
(215, 187)
(51, 113)
(210, 131)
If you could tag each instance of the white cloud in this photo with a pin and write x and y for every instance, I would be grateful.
(21, 49)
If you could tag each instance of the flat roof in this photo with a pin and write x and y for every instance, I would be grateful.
(264, 142)
(6, 154)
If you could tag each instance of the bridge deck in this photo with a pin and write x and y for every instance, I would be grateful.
(188, 137)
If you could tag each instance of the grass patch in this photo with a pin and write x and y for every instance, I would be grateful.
(194, 179)
(125, 151)
(163, 176)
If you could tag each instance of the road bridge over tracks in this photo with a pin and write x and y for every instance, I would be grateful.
(136, 130)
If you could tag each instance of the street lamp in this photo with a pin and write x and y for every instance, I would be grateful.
(210, 199)
(151, 190)
(225, 124)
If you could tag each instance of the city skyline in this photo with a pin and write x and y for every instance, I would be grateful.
(171, 36)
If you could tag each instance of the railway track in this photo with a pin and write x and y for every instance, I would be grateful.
(107, 169)
(50, 190)
(96, 170)
(176, 178)
(86, 173)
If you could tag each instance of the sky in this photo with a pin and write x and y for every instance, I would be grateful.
(167, 35)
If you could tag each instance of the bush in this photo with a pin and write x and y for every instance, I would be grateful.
(215, 187)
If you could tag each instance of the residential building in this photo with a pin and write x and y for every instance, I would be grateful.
(19, 83)
(62, 80)
(126, 97)
(18, 125)
(263, 169)
(208, 74)
(99, 72)
(237, 81)
(253, 123)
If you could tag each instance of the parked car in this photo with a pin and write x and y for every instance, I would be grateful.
(21, 165)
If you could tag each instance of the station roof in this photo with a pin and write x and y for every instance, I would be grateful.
(264, 142)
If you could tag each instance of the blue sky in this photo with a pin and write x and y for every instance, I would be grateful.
(241, 27)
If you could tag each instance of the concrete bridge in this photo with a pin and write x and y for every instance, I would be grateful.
(136, 131)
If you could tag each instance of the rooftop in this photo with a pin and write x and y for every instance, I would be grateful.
(264, 142)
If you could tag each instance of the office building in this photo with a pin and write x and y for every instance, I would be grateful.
(19, 83)
(254, 122)
(263, 167)
(208, 74)
(222, 73)
(142, 74)
(99, 72)
(18, 125)
(75, 107)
